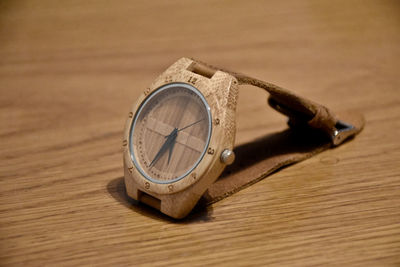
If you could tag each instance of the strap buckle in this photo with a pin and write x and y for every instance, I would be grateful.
(343, 131)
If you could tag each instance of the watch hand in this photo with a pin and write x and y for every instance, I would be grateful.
(183, 128)
(173, 140)
(170, 141)
(171, 148)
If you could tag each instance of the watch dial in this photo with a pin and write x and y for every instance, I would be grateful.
(170, 133)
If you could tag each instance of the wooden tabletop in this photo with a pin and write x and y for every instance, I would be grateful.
(70, 71)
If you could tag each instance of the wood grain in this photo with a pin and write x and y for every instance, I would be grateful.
(70, 71)
(170, 115)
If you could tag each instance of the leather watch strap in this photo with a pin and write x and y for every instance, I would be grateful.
(311, 124)
(300, 110)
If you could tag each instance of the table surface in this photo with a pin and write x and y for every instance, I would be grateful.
(70, 71)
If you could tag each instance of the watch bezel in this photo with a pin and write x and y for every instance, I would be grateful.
(154, 93)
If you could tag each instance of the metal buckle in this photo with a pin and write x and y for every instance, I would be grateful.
(342, 132)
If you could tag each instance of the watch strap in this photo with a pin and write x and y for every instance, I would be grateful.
(257, 159)
(313, 129)
(300, 110)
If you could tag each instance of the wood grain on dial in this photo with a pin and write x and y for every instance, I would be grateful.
(174, 109)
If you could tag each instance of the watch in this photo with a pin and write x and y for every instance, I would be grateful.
(180, 133)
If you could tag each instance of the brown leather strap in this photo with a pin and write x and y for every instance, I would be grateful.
(257, 159)
(310, 124)
(299, 109)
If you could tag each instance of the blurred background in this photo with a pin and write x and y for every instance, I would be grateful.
(97, 56)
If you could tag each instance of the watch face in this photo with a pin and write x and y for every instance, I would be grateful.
(170, 133)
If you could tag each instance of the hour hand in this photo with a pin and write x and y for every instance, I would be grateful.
(171, 148)
(169, 142)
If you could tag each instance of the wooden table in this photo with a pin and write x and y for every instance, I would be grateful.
(70, 70)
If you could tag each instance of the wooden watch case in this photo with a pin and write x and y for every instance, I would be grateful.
(177, 199)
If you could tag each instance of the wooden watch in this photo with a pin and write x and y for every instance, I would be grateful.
(180, 134)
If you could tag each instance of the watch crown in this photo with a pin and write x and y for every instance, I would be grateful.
(227, 156)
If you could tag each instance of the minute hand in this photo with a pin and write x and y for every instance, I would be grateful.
(183, 128)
